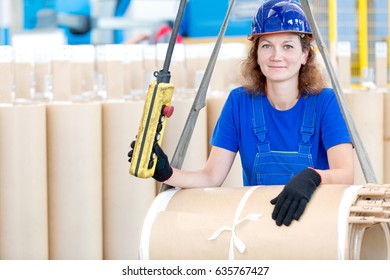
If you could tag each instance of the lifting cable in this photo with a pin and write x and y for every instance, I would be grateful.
(199, 102)
(361, 152)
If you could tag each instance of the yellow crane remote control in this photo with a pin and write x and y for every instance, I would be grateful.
(157, 109)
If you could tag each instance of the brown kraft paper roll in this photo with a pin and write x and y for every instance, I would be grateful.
(114, 80)
(23, 185)
(192, 64)
(82, 60)
(367, 112)
(344, 64)
(23, 76)
(75, 180)
(381, 64)
(62, 90)
(41, 72)
(6, 74)
(196, 155)
(82, 77)
(134, 77)
(236, 223)
(386, 171)
(126, 198)
(133, 69)
(215, 103)
(6, 82)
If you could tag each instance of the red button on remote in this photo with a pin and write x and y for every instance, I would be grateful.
(168, 111)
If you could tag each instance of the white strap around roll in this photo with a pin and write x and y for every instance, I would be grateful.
(159, 205)
(235, 241)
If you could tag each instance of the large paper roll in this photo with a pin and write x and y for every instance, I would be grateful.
(133, 69)
(227, 68)
(62, 73)
(62, 80)
(75, 180)
(41, 74)
(23, 184)
(196, 156)
(367, 112)
(6, 73)
(386, 155)
(381, 50)
(344, 64)
(82, 70)
(134, 80)
(23, 76)
(126, 198)
(110, 65)
(114, 79)
(6, 81)
(236, 223)
(82, 78)
(197, 57)
(214, 106)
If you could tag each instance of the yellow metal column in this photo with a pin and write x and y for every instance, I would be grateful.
(332, 23)
(332, 9)
(363, 38)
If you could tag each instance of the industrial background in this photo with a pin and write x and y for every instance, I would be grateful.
(73, 78)
(361, 23)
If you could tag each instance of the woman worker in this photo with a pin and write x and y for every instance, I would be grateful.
(287, 127)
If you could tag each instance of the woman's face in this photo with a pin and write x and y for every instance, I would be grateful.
(280, 56)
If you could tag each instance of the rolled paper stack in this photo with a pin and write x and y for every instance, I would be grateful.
(126, 198)
(23, 183)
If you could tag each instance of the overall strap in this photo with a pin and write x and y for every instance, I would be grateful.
(307, 128)
(259, 126)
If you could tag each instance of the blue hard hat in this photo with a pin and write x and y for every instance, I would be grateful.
(279, 16)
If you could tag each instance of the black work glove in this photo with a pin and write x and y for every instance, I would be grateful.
(291, 202)
(163, 169)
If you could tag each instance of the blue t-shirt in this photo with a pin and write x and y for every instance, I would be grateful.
(234, 129)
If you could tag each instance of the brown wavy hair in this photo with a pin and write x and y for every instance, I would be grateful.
(310, 81)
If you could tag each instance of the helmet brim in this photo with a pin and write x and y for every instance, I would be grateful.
(256, 35)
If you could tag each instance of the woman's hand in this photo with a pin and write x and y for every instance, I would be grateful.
(291, 202)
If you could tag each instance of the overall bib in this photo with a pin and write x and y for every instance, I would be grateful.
(278, 167)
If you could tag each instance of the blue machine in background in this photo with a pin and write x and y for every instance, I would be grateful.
(5, 21)
(50, 12)
(203, 18)
(120, 10)
(31, 9)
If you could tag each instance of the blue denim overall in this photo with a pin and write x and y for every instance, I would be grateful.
(278, 167)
